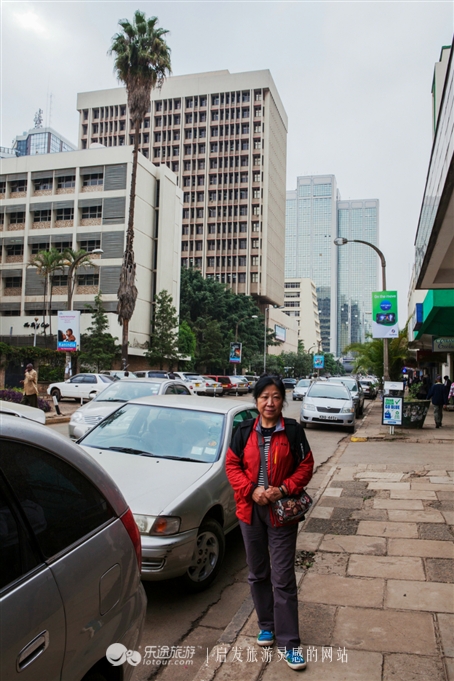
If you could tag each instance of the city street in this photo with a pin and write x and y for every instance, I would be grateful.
(174, 616)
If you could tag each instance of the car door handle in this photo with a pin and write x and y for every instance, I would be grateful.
(32, 650)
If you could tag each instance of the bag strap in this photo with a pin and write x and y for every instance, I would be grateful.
(261, 442)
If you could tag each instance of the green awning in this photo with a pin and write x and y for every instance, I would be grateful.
(438, 314)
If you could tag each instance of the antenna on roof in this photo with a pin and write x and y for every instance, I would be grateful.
(39, 119)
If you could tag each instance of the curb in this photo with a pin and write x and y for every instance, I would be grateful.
(57, 419)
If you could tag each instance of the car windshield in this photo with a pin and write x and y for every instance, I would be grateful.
(326, 391)
(123, 391)
(351, 385)
(163, 432)
(366, 383)
(304, 383)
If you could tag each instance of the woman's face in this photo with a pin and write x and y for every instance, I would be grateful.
(270, 403)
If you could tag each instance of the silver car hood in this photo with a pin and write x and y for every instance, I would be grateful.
(149, 485)
(323, 402)
(99, 408)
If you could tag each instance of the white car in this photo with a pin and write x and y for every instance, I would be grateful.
(88, 416)
(22, 411)
(301, 389)
(195, 382)
(240, 384)
(80, 387)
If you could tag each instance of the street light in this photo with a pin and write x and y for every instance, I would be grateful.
(341, 241)
(267, 311)
(254, 316)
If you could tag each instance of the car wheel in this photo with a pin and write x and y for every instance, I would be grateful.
(56, 393)
(361, 410)
(350, 429)
(207, 557)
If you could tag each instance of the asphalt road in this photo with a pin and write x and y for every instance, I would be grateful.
(175, 618)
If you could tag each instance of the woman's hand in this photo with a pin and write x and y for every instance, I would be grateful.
(259, 495)
(273, 494)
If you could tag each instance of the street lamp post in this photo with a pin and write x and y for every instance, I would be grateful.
(254, 316)
(69, 303)
(341, 241)
(267, 312)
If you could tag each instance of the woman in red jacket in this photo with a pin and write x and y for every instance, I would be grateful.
(270, 548)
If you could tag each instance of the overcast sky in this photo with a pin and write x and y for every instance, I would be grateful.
(354, 77)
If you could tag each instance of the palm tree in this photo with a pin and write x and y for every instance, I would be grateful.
(73, 260)
(47, 263)
(369, 355)
(142, 61)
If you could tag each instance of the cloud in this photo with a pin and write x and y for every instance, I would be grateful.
(30, 21)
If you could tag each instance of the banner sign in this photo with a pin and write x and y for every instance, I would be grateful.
(319, 361)
(68, 334)
(280, 333)
(392, 411)
(235, 353)
(384, 314)
(443, 344)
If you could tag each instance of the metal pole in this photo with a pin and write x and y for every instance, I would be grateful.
(236, 339)
(264, 343)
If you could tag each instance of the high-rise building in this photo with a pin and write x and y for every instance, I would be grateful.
(224, 135)
(80, 200)
(309, 248)
(300, 301)
(357, 271)
(344, 277)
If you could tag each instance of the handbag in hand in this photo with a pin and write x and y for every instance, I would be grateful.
(289, 509)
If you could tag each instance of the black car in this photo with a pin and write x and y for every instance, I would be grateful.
(289, 383)
(369, 389)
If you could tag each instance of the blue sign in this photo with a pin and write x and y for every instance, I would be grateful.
(319, 361)
(392, 411)
(385, 305)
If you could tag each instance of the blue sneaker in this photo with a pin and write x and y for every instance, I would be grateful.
(295, 660)
(265, 638)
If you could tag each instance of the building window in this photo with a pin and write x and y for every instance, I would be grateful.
(18, 186)
(65, 214)
(37, 248)
(257, 111)
(256, 226)
(255, 243)
(199, 245)
(91, 212)
(13, 282)
(92, 179)
(242, 244)
(59, 280)
(88, 280)
(17, 218)
(15, 249)
(42, 185)
(214, 100)
(241, 277)
(66, 182)
(254, 277)
(42, 215)
(90, 245)
(62, 246)
(255, 260)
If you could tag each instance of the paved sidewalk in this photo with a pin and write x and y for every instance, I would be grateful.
(375, 564)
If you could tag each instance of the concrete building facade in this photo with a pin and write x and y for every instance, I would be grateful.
(80, 199)
(224, 136)
(300, 302)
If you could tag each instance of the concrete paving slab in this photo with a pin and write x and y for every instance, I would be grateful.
(398, 667)
(332, 526)
(387, 567)
(332, 492)
(444, 496)
(399, 504)
(439, 570)
(436, 531)
(413, 494)
(316, 623)
(442, 479)
(425, 548)
(448, 516)
(335, 590)
(201, 639)
(429, 596)
(449, 664)
(369, 514)
(322, 512)
(342, 502)
(392, 486)
(330, 563)
(208, 670)
(388, 529)
(440, 473)
(432, 487)
(385, 631)
(237, 665)
(378, 475)
(446, 628)
(375, 546)
(348, 484)
(376, 467)
(345, 473)
(427, 516)
(308, 541)
(220, 614)
(360, 666)
(412, 457)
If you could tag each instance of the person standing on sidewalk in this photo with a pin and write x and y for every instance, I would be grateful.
(30, 384)
(270, 548)
(439, 400)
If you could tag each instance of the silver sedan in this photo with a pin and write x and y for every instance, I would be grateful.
(328, 403)
(167, 456)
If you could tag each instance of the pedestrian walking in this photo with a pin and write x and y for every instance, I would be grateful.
(270, 547)
(439, 400)
(447, 384)
(30, 384)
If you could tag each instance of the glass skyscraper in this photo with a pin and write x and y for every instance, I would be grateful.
(357, 271)
(310, 229)
(344, 276)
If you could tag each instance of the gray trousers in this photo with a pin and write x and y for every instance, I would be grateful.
(438, 413)
(270, 554)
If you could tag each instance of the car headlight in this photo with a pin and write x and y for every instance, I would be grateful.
(157, 525)
(347, 410)
(77, 417)
(309, 406)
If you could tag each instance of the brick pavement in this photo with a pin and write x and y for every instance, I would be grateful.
(375, 561)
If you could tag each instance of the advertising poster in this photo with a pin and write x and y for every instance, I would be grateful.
(235, 353)
(384, 314)
(280, 333)
(392, 411)
(68, 334)
(319, 361)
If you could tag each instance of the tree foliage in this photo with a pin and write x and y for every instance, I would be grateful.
(99, 347)
(369, 355)
(164, 338)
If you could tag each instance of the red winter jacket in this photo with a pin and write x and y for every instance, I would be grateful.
(242, 467)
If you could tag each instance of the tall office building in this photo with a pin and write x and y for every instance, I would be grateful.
(224, 135)
(357, 271)
(309, 249)
(344, 276)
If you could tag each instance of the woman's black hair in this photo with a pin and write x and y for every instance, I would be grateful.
(264, 382)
